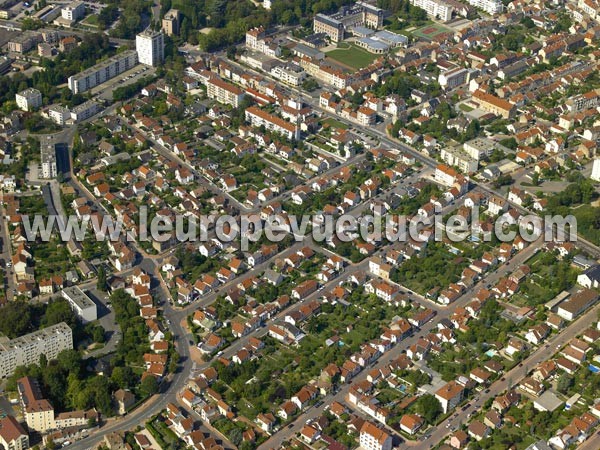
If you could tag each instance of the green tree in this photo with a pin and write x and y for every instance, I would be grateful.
(57, 311)
(101, 282)
(16, 319)
(70, 361)
(564, 383)
(148, 386)
(429, 408)
(123, 377)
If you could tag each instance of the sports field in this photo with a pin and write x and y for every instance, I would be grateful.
(352, 56)
(430, 31)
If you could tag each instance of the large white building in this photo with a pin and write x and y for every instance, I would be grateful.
(102, 72)
(150, 47)
(453, 78)
(436, 9)
(596, 170)
(257, 40)
(373, 438)
(73, 12)
(48, 160)
(80, 303)
(26, 350)
(59, 114)
(291, 74)
(479, 148)
(84, 111)
(456, 157)
(224, 92)
(257, 117)
(489, 6)
(29, 99)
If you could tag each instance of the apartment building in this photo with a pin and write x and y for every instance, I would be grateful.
(29, 99)
(24, 42)
(59, 114)
(224, 92)
(445, 175)
(449, 395)
(453, 78)
(102, 72)
(171, 22)
(84, 111)
(455, 156)
(150, 47)
(581, 102)
(80, 303)
(37, 411)
(257, 40)
(257, 117)
(12, 434)
(489, 6)
(479, 148)
(26, 350)
(291, 74)
(73, 11)
(494, 105)
(436, 9)
(589, 7)
(373, 438)
(326, 74)
(48, 160)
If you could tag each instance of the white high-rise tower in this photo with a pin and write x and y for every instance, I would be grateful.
(150, 47)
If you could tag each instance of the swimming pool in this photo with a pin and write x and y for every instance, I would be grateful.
(593, 368)
(491, 353)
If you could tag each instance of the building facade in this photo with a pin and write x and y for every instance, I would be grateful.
(73, 12)
(171, 22)
(29, 99)
(12, 434)
(80, 303)
(102, 72)
(224, 92)
(26, 350)
(48, 160)
(150, 47)
(257, 117)
(436, 9)
(360, 14)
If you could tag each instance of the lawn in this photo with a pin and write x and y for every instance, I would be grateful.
(334, 123)
(352, 56)
(91, 20)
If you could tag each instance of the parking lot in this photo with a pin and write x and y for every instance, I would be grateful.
(105, 90)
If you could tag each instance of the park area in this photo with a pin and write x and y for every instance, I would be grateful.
(431, 32)
(351, 56)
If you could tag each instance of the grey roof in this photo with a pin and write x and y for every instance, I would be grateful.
(593, 273)
(363, 30)
(539, 445)
(374, 44)
(549, 401)
(392, 38)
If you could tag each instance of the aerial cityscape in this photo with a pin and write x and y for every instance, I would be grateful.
(300, 224)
